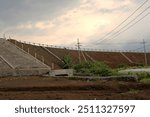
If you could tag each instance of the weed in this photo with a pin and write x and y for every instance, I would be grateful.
(145, 80)
(133, 91)
(93, 68)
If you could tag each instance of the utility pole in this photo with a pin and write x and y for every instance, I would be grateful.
(79, 50)
(28, 51)
(145, 55)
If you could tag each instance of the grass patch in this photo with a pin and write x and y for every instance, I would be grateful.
(141, 74)
(145, 80)
(133, 91)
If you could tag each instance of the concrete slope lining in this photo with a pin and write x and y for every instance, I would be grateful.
(19, 54)
(5, 61)
(29, 54)
(15, 62)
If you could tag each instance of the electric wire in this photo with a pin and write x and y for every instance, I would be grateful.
(130, 26)
(118, 32)
(140, 47)
(125, 19)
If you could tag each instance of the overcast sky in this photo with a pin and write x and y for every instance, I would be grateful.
(61, 22)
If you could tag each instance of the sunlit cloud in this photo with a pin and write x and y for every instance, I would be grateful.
(88, 20)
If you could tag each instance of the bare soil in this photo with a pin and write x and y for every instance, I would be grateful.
(113, 59)
(46, 88)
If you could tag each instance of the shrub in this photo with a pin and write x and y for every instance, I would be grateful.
(93, 68)
(67, 62)
(140, 75)
(143, 75)
(140, 65)
(84, 65)
(123, 66)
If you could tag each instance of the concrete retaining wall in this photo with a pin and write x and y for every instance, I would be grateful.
(23, 72)
(62, 72)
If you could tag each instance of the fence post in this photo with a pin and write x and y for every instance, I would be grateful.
(52, 65)
(42, 59)
(22, 46)
(15, 42)
(28, 51)
(35, 55)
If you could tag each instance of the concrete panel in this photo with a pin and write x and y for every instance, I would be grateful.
(62, 72)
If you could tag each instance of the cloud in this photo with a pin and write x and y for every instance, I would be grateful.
(61, 22)
(20, 11)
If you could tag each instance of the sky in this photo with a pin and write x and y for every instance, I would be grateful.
(62, 22)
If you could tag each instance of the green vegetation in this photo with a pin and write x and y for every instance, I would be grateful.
(133, 91)
(93, 68)
(67, 62)
(140, 75)
(136, 65)
(123, 66)
(143, 75)
(145, 80)
(139, 65)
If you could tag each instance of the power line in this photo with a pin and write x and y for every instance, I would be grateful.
(119, 44)
(125, 19)
(137, 49)
(132, 43)
(128, 23)
(141, 47)
(130, 26)
(116, 43)
(118, 32)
